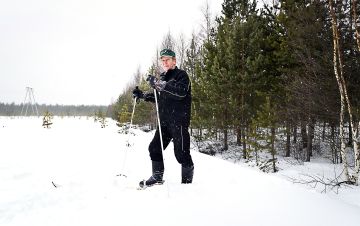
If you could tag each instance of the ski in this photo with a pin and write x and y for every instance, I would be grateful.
(144, 186)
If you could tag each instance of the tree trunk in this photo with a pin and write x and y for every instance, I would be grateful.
(295, 134)
(238, 136)
(226, 145)
(273, 151)
(287, 151)
(356, 144)
(356, 22)
(310, 137)
(304, 138)
(244, 143)
(349, 108)
(350, 136)
(355, 131)
(334, 152)
(323, 132)
(340, 85)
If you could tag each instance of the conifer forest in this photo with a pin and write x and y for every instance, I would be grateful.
(283, 79)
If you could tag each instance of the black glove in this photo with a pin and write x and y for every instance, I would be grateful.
(151, 80)
(156, 83)
(149, 97)
(137, 93)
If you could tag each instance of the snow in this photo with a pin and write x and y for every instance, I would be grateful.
(82, 160)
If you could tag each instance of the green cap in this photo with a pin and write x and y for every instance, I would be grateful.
(167, 53)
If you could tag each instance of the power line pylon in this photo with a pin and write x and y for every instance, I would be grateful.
(29, 101)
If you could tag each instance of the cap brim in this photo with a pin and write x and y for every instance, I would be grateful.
(167, 56)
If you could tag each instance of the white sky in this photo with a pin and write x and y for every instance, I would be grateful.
(85, 51)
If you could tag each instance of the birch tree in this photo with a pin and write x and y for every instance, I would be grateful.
(345, 100)
(181, 46)
(356, 22)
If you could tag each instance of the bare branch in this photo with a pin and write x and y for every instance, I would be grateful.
(313, 181)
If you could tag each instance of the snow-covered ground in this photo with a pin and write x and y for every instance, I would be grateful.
(83, 161)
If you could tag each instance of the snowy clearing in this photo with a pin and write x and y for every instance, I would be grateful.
(82, 160)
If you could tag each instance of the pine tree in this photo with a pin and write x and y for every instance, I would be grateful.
(124, 115)
(266, 122)
(306, 44)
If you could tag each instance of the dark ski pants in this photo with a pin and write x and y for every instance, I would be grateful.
(181, 139)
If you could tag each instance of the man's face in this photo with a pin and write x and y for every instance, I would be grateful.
(168, 63)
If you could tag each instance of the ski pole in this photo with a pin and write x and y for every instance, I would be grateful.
(131, 120)
(161, 140)
(158, 119)
(127, 142)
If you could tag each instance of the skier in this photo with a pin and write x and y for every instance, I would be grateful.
(173, 92)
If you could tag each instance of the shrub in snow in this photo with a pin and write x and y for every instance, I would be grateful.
(99, 116)
(47, 119)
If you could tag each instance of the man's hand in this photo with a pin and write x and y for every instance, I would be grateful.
(137, 93)
(151, 80)
(155, 83)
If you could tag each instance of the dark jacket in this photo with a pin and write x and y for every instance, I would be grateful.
(175, 99)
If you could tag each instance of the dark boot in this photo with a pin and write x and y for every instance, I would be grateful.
(187, 173)
(156, 177)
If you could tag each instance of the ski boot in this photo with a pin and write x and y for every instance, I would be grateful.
(156, 177)
(187, 173)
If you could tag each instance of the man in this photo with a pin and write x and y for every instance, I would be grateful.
(173, 91)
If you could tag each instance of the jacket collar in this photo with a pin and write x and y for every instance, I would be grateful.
(170, 70)
(165, 75)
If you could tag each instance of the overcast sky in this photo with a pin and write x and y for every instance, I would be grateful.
(85, 51)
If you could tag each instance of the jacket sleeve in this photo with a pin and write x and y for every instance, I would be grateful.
(149, 97)
(177, 88)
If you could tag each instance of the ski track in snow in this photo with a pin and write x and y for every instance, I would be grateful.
(82, 160)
